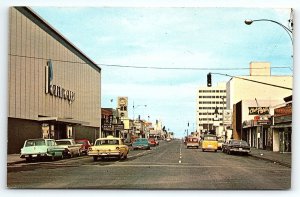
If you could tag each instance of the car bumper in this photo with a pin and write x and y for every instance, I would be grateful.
(104, 154)
(38, 155)
(240, 150)
(141, 147)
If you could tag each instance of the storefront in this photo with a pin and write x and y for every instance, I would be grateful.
(282, 128)
(258, 133)
(54, 89)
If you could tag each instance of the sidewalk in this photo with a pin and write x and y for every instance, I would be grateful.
(276, 157)
(281, 158)
(14, 158)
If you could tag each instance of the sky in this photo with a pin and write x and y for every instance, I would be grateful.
(211, 39)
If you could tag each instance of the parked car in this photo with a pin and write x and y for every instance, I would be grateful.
(69, 145)
(141, 143)
(109, 147)
(39, 149)
(152, 142)
(209, 142)
(192, 142)
(85, 145)
(236, 146)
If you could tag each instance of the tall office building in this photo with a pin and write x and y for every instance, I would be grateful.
(211, 102)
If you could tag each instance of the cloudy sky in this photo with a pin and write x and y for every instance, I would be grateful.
(188, 42)
(158, 53)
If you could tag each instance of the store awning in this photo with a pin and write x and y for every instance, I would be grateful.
(281, 126)
(65, 120)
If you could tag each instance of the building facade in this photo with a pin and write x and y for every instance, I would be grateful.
(251, 99)
(54, 88)
(211, 103)
(282, 126)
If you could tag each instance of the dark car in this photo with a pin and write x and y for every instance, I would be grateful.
(85, 144)
(236, 146)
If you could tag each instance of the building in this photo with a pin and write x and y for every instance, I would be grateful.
(54, 88)
(251, 98)
(211, 103)
(107, 122)
(282, 126)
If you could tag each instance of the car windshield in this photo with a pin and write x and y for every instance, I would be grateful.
(35, 143)
(193, 140)
(244, 143)
(141, 140)
(210, 138)
(107, 142)
(63, 142)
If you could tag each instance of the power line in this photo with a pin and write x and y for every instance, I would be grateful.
(144, 67)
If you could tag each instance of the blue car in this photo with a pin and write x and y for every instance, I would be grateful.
(141, 143)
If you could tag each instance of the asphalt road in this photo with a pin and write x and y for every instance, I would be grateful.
(167, 166)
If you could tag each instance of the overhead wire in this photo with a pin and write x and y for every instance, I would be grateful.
(147, 67)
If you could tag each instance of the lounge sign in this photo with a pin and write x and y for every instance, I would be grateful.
(259, 110)
(56, 90)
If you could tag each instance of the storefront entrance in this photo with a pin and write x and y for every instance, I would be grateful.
(285, 139)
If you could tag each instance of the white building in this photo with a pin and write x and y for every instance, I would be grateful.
(251, 102)
(209, 101)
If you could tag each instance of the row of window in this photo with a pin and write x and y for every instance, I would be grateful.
(221, 124)
(212, 102)
(208, 114)
(209, 119)
(211, 91)
(212, 97)
(219, 108)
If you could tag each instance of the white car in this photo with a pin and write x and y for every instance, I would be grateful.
(40, 149)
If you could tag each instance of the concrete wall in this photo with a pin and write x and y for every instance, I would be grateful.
(30, 47)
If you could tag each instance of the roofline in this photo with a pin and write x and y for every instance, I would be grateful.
(38, 20)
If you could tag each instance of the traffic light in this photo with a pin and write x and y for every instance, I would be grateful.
(209, 80)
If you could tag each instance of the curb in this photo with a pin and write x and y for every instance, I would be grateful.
(272, 160)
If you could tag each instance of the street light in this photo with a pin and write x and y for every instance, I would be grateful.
(288, 30)
(134, 107)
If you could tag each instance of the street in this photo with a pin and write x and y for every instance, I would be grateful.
(167, 166)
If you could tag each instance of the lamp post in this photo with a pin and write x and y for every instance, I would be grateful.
(224, 132)
(135, 107)
(288, 30)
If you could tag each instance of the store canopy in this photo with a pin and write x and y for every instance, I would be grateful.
(281, 126)
(65, 120)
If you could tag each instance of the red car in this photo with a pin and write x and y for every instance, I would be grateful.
(152, 142)
(85, 144)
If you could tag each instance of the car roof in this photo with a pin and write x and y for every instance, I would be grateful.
(109, 138)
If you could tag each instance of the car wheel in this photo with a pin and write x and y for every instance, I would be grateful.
(202, 150)
(95, 158)
(28, 159)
